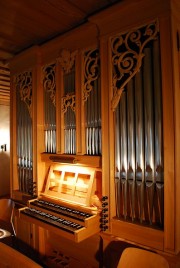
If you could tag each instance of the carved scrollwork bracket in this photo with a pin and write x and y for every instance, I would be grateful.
(91, 71)
(68, 101)
(23, 83)
(49, 83)
(127, 55)
(67, 60)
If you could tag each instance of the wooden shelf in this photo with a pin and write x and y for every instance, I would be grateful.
(85, 160)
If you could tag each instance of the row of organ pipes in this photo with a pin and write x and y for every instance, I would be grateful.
(92, 109)
(24, 133)
(93, 121)
(139, 183)
(49, 86)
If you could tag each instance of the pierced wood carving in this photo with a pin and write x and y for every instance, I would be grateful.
(49, 82)
(91, 71)
(68, 101)
(23, 83)
(127, 55)
(67, 60)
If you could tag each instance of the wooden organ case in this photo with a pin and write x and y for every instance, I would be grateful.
(69, 205)
(118, 121)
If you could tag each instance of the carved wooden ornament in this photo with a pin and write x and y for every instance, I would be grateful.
(91, 71)
(67, 60)
(23, 83)
(49, 82)
(68, 101)
(127, 55)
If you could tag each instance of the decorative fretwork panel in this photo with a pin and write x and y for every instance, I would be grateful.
(49, 86)
(92, 99)
(23, 86)
(127, 55)
(139, 181)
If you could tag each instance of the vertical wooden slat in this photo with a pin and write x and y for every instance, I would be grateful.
(117, 162)
(158, 168)
(168, 134)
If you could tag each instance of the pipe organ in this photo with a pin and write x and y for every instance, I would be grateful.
(95, 132)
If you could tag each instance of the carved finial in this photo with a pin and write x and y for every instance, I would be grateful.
(67, 60)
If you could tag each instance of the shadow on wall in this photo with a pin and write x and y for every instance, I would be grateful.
(4, 155)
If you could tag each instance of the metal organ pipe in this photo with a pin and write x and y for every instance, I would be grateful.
(149, 131)
(131, 148)
(123, 152)
(139, 144)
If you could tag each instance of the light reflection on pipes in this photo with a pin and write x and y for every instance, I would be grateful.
(143, 201)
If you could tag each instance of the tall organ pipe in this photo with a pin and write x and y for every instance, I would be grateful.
(123, 153)
(149, 132)
(131, 148)
(139, 144)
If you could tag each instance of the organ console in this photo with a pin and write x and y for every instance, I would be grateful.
(70, 204)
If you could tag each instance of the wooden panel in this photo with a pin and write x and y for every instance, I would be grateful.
(138, 234)
(86, 253)
(169, 145)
